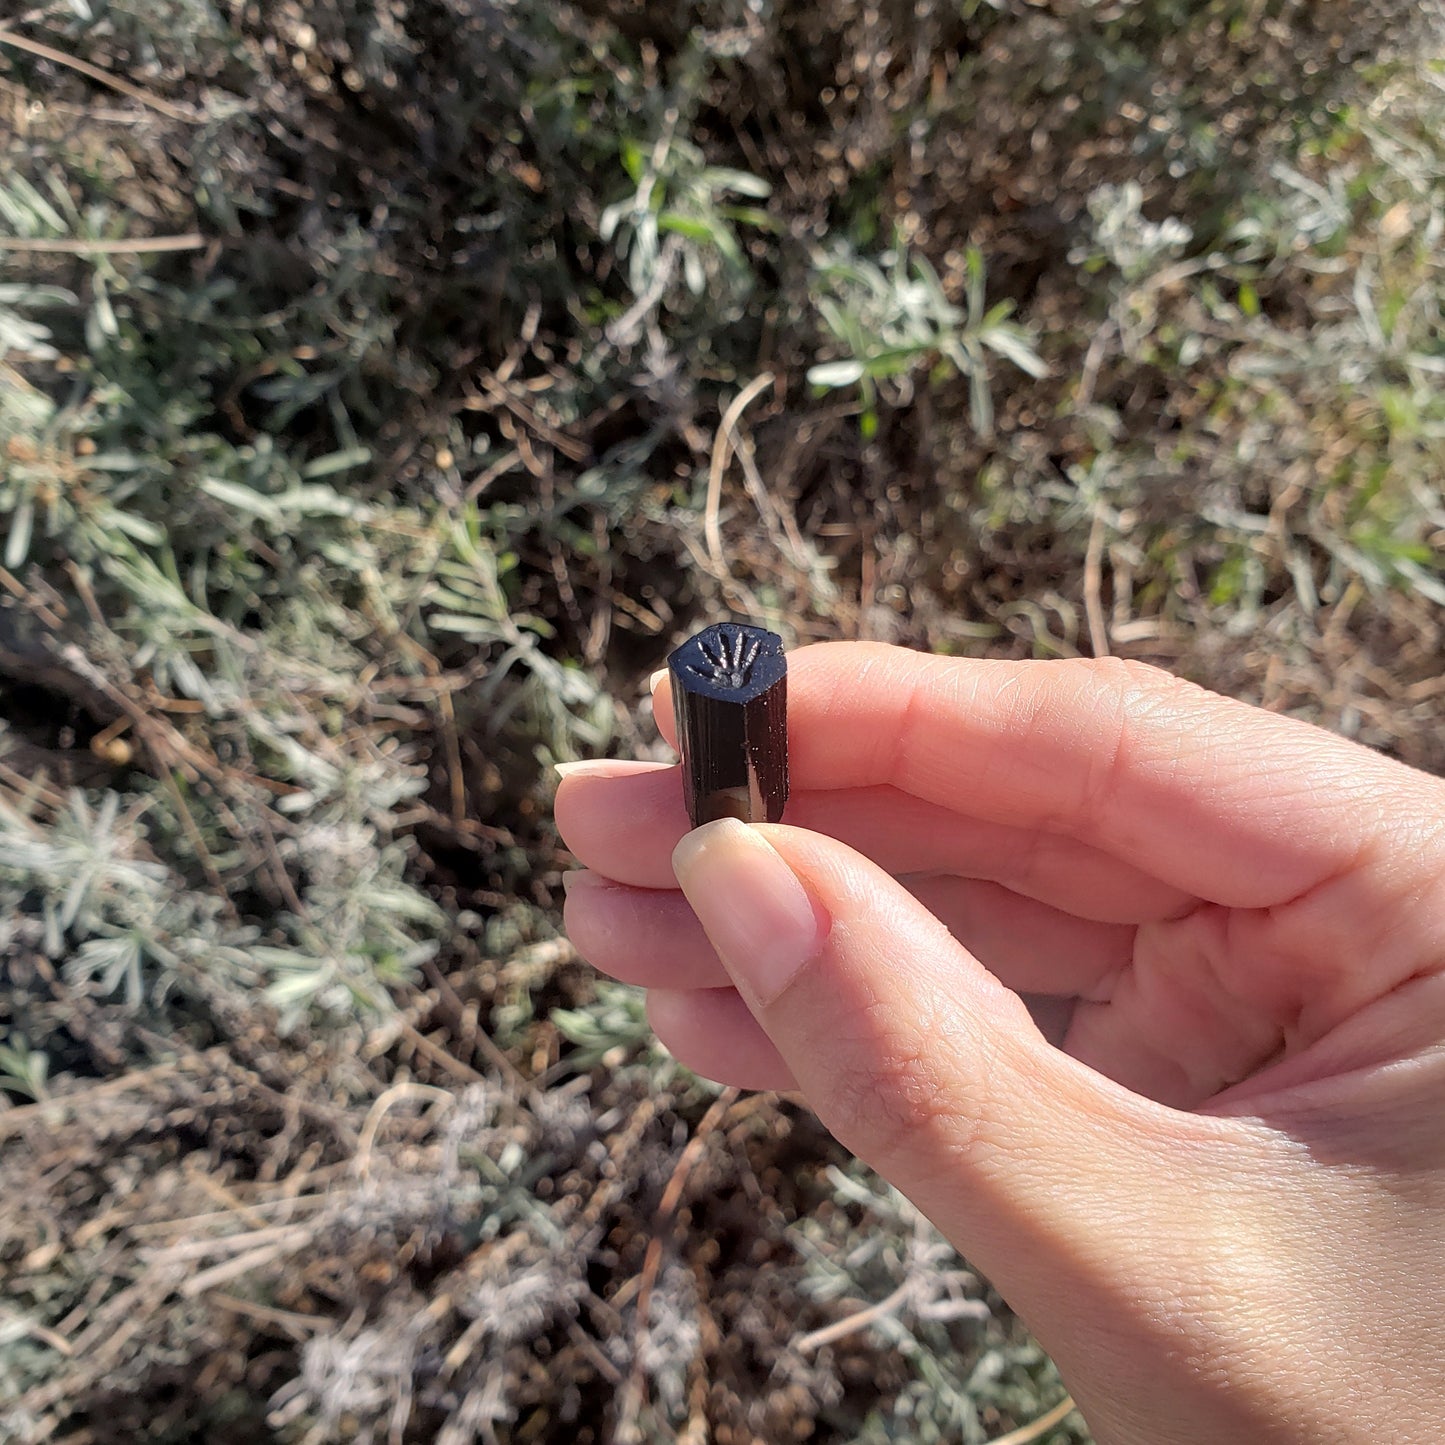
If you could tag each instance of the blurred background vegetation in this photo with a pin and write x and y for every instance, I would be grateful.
(385, 387)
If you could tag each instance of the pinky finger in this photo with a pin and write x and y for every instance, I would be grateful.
(711, 1032)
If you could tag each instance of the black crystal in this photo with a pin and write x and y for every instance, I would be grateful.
(730, 697)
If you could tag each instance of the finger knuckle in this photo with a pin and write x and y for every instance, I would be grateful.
(905, 1104)
(1149, 710)
(1126, 678)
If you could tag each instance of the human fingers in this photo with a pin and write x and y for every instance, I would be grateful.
(652, 937)
(1216, 798)
(1188, 1273)
(887, 1023)
(711, 1032)
(624, 820)
(644, 936)
(1027, 945)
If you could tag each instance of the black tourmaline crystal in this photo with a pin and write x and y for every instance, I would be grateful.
(730, 695)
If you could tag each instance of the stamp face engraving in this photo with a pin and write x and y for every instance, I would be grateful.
(728, 657)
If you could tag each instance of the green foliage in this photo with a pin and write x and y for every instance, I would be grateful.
(19, 335)
(607, 1030)
(893, 319)
(930, 1311)
(1349, 399)
(23, 1070)
(679, 214)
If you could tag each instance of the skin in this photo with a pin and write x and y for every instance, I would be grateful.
(1208, 1167)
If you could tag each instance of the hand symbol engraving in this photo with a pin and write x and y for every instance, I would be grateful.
(728, 656)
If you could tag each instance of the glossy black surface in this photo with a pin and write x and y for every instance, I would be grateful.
(730, 698)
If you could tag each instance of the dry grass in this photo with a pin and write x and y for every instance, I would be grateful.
(487, 383)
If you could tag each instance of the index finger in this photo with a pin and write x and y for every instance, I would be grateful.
(1223, 800)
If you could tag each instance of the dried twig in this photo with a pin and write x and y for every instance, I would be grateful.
(723, 446)
(1089, 375)
(480, 1039)
(13, 1121)
(438, 1055)
(1093, 582)
(299, 1327)
(361, 1165)
(120, 246)
(840, 1329)
(98, 74)
(652, 1260)
(242, 1264)
(247, 1242)
(37, 1331)
(1037, 1429)
(570, 447)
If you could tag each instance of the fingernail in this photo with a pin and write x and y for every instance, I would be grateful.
(606, 768)
(656, 678)
(585, 880)
(759, 916)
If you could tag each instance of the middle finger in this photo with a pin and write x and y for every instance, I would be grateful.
(651, 936)
(626, 824)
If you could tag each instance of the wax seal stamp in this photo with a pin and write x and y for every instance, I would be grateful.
(730, 697)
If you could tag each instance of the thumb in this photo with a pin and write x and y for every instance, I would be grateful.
(1064, 1188)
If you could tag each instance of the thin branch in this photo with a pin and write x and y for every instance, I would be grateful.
(438, 1055)
(96, 73)
(632, 1394)
(724, 443)
(839, 1329)
(624, 331)
(299, 1327)
(1037, 1429)
(361, 1164)
(229, 1269)
(20, 1324)
(122, 246)
(1089, 376)
(1093, 583)
(13, 1121)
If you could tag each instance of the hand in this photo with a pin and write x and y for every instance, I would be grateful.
(1218, 1194)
